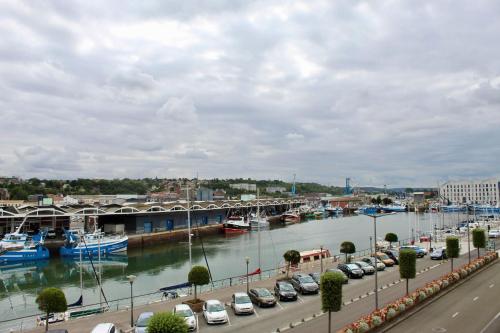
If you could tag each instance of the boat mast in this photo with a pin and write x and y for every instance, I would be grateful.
(99, 259)
(18, 230)
(189, 227)
(81, 273)
(258, 232)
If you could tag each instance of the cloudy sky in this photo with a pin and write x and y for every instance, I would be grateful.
(384, 92)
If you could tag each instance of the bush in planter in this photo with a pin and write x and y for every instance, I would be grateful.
(363, 326)
(391, 313)
(408, 301)
(198, 276)
(463, 273)
(452, 248)
(401, 307)
(422, 296)
(445, 283)
(479, 239)
(376, 321)
(166, 322)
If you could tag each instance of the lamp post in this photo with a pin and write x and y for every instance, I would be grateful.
(468, 231)
(131, 279)
(321, 258)
(370, 244)
(247, 260)
(375, 216)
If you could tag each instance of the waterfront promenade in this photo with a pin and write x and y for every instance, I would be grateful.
(358, 299)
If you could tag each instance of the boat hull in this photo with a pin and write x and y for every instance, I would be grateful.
(93, 249)
(38, 253)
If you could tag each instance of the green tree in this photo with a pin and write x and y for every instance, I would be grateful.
(166, 322)
(452, 248)
(478, 239)
(347, 248)
(391, 238)
(407, 265)
(51, 300)
(198, 276)
(292, 257)
(331, 294)
(386, 201)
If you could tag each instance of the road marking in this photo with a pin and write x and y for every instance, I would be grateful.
(300, 299)
(228, 321)
(491, 285)
(455, 314)
(475, 299)
(256, 313)
(197, 324)
(281, 306)
(489, 323)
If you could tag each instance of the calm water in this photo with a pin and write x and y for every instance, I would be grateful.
(168, 264)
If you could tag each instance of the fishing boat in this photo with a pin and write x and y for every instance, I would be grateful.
(334, 210)
(290, 217)
(393, 208)
(91, 244)
(259, 222)
(236, 225)
(17, 246)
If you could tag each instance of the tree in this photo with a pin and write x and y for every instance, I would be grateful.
(391, 238)
(198, 276)
(347, 248)
(386, 201)
(331, 294)
(407, 265)
(51, 300)
(166, 322)
(478, 239)
(292, 257)
(452, 248)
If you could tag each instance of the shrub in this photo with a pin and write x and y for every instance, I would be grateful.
(479, 239)
(452, 248)
(391, 238)
(391, 313)
(51, 300)
(363, 327)
(407, 265)
(292, 257)
(376, 321)
(198, 276)
(166, 322)
(347, 248)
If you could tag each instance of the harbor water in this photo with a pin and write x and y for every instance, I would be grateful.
(165, 265)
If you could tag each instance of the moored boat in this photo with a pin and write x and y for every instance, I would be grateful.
(236, 225)
(90, 244)
(290, 217)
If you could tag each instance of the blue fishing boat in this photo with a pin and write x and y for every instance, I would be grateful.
(17, 246)
(90, 244)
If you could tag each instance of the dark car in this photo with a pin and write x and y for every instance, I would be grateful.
(439, 254)
(367, 268)
(285, 291)
(371, 261)
(262, 297)
(393, 254)
(420, 252)
(304, 284)
(316, 277)
(351, 270)
(336, 270)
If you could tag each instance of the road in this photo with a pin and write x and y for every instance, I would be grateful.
(355, 295)
(472, 307)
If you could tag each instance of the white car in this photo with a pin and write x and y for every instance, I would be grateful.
(105, 328)
(242, 304)
(184, 311)
(214, 312)
(494, 233)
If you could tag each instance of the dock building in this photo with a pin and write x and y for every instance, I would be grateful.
(483, 192)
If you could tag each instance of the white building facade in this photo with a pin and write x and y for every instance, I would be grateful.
(483, 192)
(244, 186)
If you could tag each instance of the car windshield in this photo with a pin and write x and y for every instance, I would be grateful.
(286, 287)
(184, 313)
(263, 292)
(352, 266)
(216, 307)
(384, 256)
(305, 279)
(315, 275)
(143, 321)
(362, 264)
(242, 299)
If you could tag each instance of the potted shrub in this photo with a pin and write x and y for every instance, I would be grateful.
(198, 276)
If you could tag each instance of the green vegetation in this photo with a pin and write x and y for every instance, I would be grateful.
(292, 257)
(331, 293)
(51, 300)
(198, 276)
(166, 322)
(407, 265)
(452, 248)
(391, 238)
(479, 239)
(347, 248)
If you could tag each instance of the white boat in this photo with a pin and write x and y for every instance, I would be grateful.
(258, 222)
(236, 224)
(91, 244)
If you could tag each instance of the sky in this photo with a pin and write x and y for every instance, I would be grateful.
(403, 93)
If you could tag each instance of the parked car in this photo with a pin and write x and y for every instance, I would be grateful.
(51, 234)
(439, 253)
(371, 261)
(385, 259)
(262, 297)
(142, 322)
(304, 284)
(420, 251)
(214, 312)
(184, 311)
(285, 291)
(316, 277)
(393, 254)
(367, 268)
(351, 270)
(336, 270)
(494, 233)
(105, 328)
(241, 303)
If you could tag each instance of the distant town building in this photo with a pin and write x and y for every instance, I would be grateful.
(219, 194)
(418, 197)
(4, 194)
(345, 201)
(162, 196)
(10, 180)
(484, 192)
(204, 194)
(244, 187)
(275, 189)
(248, 197)
(11, 203)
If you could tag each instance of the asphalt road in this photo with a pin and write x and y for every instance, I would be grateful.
(284, 313)
(473, 307)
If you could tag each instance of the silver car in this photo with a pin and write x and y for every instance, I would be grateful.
(241, 304)
(142, 322)
(184, 311)
(367, 268)
(304, 284)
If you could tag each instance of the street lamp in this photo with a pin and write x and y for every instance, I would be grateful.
(131, 279)
(375, 216)
(321, 258)
(247, 260)
(468, 231)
